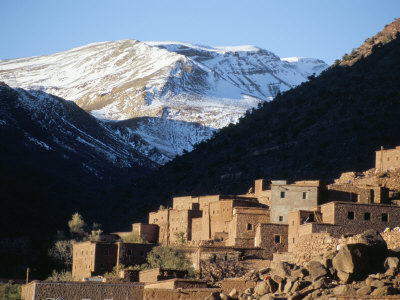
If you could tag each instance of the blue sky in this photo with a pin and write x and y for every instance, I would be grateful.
(323, 29)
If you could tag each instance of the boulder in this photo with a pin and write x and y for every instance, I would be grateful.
(233, 293)
(267, 297)
(365, 290)
(356, 261)
(392, 262)
(384, 291)
(320, 283)
(344, 290)
(316, 270)
(281, 268)
(262, 288)
(299, 285)
(288, 286)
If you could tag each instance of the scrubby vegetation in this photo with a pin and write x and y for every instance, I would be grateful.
(10, 291)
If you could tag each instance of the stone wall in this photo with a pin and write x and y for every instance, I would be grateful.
(272, 238)
(83, 260)
(240, 285)
(82, 290)
(161, 218)
(185, 294)
(357, 193)
(316, 244)
(387, 159)
(131, 254)
(147, 231)
(243, 225)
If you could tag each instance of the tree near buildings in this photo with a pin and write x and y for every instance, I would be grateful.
(62, 252)
(77, 225)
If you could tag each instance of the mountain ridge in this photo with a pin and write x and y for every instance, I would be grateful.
(212, 86)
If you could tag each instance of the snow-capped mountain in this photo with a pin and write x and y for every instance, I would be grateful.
(175, 85)
(33, 123)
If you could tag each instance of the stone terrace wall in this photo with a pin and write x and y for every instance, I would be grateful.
(82, 290)
(313, 245)
(165, 294)
(318, 243)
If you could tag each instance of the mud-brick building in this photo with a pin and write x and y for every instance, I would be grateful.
(243, 223)
(287, 197)
(349, 192)
(96, 258)
(271, 237)
(341, 218)
(205, 218)
(387, 159)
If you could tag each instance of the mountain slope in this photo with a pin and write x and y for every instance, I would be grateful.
(127, 79)
(326, 126)
(55, 158)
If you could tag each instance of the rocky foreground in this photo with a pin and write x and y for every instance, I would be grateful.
(363, 268)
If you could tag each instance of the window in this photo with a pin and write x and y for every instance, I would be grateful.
(292, 223)
(293, 240)
(277, 239)
(311, 218)
(350, 215)
(283, 194)
(305, 195)
(280, 218)
(249, 226)
(367, 216)
(384, 217)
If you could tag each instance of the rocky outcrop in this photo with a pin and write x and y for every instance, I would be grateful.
(364, 261)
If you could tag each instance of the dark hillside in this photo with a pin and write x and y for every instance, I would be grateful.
(331, 124)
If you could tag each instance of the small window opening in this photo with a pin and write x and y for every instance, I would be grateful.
(384, 217)
(350, 215)
(283, 194)
(277, 239)
(367, 216)
(249, 226)
(280, 218)
(305, 195)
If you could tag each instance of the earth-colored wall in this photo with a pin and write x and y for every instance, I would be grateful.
(293, 200)
(82, 290)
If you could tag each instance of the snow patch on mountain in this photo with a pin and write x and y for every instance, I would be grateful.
(170, 81)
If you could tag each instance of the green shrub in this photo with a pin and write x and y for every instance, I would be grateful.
(168, 258)
(134, 238)
(10, 291)
(62, 275)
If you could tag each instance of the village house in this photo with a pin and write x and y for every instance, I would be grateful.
(341, 218)
(287, 197)
(270, 218)
(387, 159)
(96, 258)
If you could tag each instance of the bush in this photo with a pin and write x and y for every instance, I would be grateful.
(134, 238)
(60, 276)
(10, 291)
(168, 258)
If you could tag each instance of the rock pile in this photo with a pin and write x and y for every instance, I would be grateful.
(216, 271)
(364, 267)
